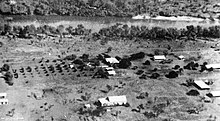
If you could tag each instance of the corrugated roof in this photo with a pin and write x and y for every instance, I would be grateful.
(202, 84)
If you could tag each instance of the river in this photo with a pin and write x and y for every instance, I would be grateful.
(96, 23)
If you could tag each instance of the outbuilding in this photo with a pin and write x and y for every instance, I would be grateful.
(214, 66)
(181, 57)
(3, 95)
(111, 72)
(113, 100)
(201, 84)
(159, 57)
(215, 93)
(111, 60)
(3, 101)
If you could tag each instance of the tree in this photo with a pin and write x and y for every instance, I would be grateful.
(172, 74)
(8, 29)
(5, 67)
(60, 30)
(124, 63)
(2, 29)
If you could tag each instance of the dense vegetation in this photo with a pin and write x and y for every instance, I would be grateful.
(118, 8)
(117, 31)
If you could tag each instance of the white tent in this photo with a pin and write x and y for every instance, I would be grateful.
(201, 84)
(112, 60)
(159, 57)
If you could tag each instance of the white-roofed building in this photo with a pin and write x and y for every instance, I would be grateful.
(109, 68)
(214, 66)
(111, 60)
(113, 100)
(3, 95)
(111, 73)
(181, 57)
(215, 93)
(159, 57)
(201, 84)
(3, 101)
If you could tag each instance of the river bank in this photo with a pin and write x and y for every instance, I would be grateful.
(173, 18)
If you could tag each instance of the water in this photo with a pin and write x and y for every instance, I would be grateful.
(96, 23)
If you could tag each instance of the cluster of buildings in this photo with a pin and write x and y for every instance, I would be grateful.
(205, 85)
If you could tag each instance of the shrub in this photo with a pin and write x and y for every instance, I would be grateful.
(193, 93)
(154, 75)
(172, 74)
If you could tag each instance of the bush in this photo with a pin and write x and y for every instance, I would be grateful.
(124, 63)
(193, 93)
(155, 75)
(147, 62)
(172, 74)
(142, 95)
(136, 56)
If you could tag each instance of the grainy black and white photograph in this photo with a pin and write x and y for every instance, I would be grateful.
(110, 60)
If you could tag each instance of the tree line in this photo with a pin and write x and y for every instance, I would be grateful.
(190, 32)
(29, 31)
(115, 31)
(117, 8)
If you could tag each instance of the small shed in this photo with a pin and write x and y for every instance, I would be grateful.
(215, 93)
(109, 68)
(159, 57)
(214, 66)
(3, 101)
(111, 72)
(201, 84)
(113, 100)
(3, 95)
(111, 60)
(181, 57)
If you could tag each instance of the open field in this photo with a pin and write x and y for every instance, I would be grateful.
(45, 95)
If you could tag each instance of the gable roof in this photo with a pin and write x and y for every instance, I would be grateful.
(202, 84)
(215, 93)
